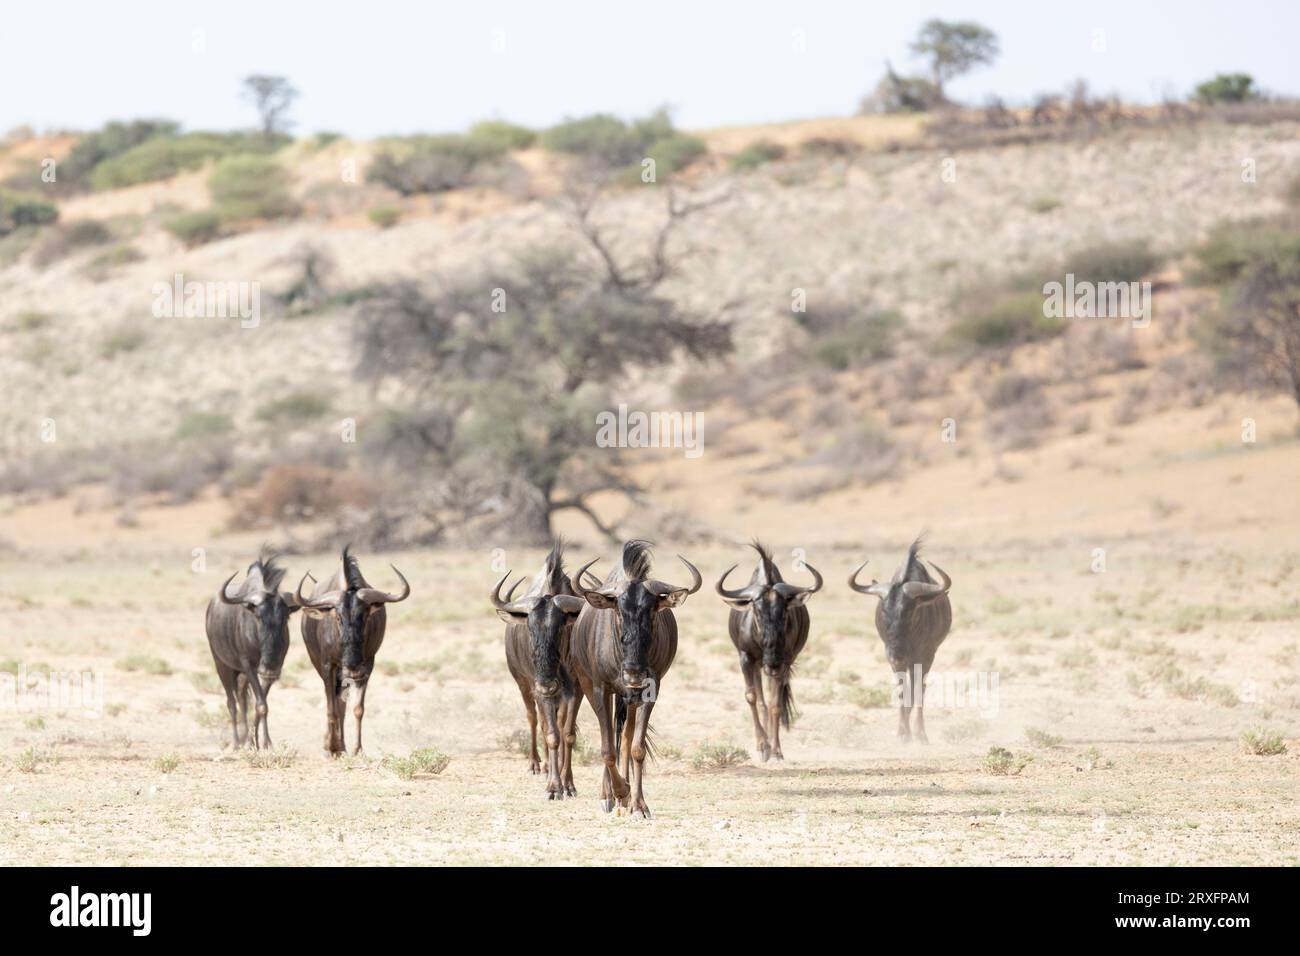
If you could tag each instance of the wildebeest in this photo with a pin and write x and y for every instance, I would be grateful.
(343, 627)
(912, 618)
(768, 624)
(248, 632)
(622, 647)
(538, 627)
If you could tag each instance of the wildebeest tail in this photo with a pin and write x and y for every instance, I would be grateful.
(788, 712)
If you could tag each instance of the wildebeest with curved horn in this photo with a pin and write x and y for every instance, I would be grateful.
(768, 625)
(538, 627)
(248, 633)
(622, 647)
(343, 627)
(912, 618)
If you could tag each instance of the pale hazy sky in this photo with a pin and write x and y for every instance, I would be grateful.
(372, 67)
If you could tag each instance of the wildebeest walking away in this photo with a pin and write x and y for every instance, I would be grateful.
(768, 625)
(343, 628)
(912, 618)
(248, 632)
(621, 649)
(538, 627)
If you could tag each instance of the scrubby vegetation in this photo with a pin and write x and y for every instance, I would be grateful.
(428, 760)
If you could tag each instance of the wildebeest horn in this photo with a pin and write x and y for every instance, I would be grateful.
(874, 587)
(697, 581)
(322, 602)
(739, 594)
(576, 580)
(568, 603)
(515, 607)
(920, 589)
(376, 596)
(788, 589)
(226, 598)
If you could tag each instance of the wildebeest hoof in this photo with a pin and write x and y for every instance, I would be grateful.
(777, 755)
(571, 791)
(607, 805)
(534, 768)
(922, 739)
(765, 752)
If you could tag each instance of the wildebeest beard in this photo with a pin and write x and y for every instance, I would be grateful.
(770, 613)
(353, 614)
(546, 624)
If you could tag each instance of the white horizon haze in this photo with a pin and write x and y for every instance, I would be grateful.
(388, 68)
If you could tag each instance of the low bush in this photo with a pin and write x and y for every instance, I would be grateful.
(385, 217)
(250, 188)
(709, 756)
(165, 157)
(426, 760)
(502, 135)
(434, 164)
(20, 209)
(757, 154)
(196, 227)
(1010, 319)
(1263, 743)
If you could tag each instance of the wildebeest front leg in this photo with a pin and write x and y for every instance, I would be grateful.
(261, 735)
(642, 717)
(358, 711)
(333, 715)
(241, 697)
(569, 723)
(612, 785)
(534, 761)
(554, 783)
(749, 671)
(625, 744)
(905, 704)
(919, 685)
(775, 695)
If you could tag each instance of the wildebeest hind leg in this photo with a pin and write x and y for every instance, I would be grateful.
(568, 730)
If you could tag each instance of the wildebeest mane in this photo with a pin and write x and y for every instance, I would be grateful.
(351, 570)
(766, 564)
(268, 569)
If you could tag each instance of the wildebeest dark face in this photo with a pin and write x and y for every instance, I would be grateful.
(269, 610)
(549, 619)
(769, 601)
(351, 609)
(272, 634)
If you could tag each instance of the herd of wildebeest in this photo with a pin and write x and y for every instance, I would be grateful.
(570, 638)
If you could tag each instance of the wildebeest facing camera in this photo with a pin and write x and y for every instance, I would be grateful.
(694, 434)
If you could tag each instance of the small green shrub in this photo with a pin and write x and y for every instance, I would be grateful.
(709, 756)
(1041, 738)
(67, 238)
(167, 763)
(111, 140)
(1127, 261)
(121, 342)
(195, 228)
(1044, 204)
(757, 154)
(30, 760)
(296, 407)
(109, 259)
(1263, 743)
(29, 321)
(251, 187)
(280, 758)
(433, 164)
(19, 209)
(674, 153)
(502, 135)
(146, 664)
(203, 425)
(608, 140)
(1227, 88)
(162, 158)
(385, 217)
(1012, 318)
(426, 760)
(1004, 763)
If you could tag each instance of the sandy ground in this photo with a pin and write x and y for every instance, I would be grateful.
(1139, 766)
